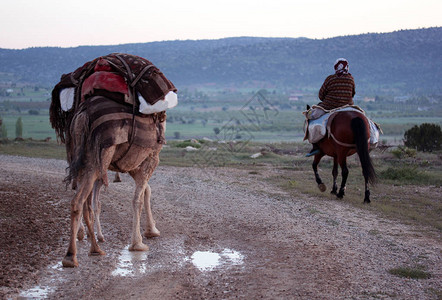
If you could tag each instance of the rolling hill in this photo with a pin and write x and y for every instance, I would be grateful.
(406, 61)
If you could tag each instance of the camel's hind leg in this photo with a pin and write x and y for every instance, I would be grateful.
(88, 214)
(137, 205)
(141, 176)
(151, 229)
(87, 181)
(96, 205)
(80, 233)
(117, 177)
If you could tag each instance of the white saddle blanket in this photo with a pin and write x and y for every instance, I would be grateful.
(317, 128)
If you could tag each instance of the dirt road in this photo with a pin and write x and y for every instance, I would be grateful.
(225, 233)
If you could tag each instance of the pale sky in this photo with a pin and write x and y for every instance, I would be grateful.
(67, 23)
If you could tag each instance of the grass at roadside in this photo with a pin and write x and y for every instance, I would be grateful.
(408, 189)
(410, 272)
(33, 148)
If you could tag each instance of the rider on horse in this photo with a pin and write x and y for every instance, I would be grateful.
(336, 91)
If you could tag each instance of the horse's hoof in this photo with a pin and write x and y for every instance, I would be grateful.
(334, 192)
(322, 187)
(139, 247)
(70, 262)
(152, 233)
(340, 195)
(100, 238)
(367, 197)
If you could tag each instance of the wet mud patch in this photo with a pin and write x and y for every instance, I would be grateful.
(30, 227)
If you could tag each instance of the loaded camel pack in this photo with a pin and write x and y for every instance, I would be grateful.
(110, 113)
(124, 78)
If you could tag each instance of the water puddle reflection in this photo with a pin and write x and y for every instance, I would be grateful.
(43, 291)
(38, 292)
(131, 263)
(134, 263)
(207, 261)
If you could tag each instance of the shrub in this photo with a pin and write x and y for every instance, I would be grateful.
(408, 272)
(426, 137)
(19, 128)
(410, 175)
(401, 151)
(398, 153)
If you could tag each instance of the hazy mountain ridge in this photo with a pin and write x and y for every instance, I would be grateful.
(404, 61)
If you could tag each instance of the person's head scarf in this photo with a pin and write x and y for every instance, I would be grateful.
(341, 66)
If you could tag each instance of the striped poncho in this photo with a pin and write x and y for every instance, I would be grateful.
(336, 91)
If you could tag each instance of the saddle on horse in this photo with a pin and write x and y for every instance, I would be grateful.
(316, 129)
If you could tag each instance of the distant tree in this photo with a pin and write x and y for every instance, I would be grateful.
(4, 132)
(1, 127)
(177, 134)
(33, 112)
(426, 137)
(19, 128)
(216, 130)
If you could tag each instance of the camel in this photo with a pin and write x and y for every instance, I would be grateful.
(109, 114)
(121, 142)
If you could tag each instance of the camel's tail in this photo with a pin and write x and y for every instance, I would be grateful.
(361, 140)
(78, 139)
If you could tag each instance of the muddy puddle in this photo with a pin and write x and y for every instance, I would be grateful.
(172, 255)
(47, 286)
(207, 261)
(139, 263)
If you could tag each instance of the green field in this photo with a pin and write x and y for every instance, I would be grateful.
(222, 115)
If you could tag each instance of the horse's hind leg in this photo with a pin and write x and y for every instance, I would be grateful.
(367, 192)
(334, 190)
(344, 169)
(315, 164)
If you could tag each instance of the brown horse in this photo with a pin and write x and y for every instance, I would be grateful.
(349, 133)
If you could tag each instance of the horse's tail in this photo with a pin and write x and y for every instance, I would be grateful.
(79, 132)
(361, 140)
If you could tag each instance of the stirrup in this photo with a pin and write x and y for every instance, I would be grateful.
(314, 152)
